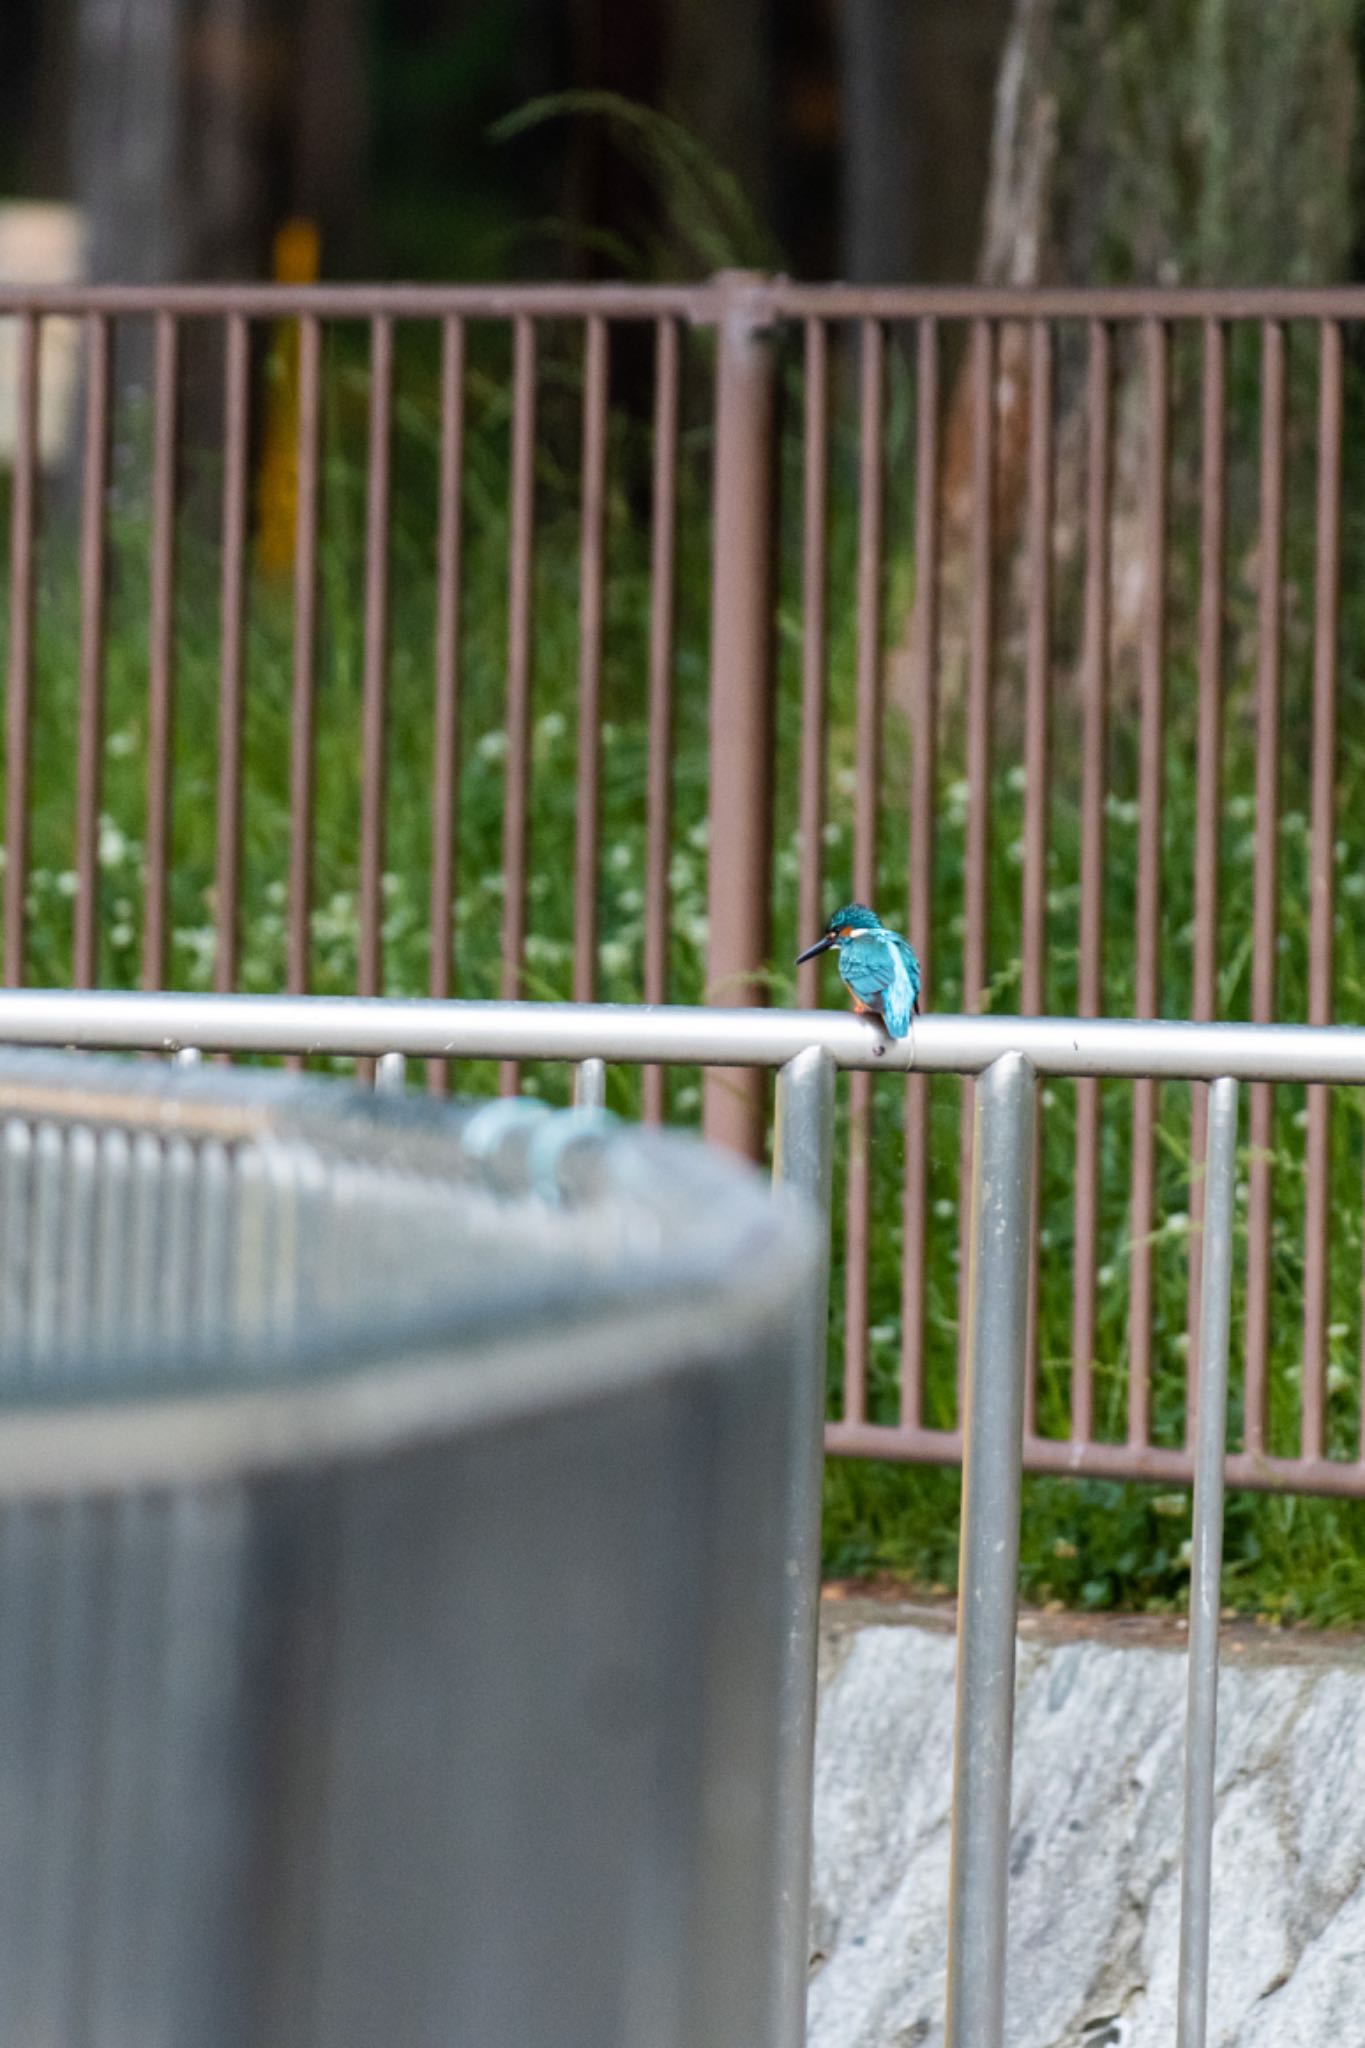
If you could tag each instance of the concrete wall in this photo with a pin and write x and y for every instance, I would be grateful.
(1095, 1886)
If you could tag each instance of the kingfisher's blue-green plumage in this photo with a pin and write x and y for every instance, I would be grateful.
(876, 965)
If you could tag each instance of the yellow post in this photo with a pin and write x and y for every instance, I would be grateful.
(296, 261)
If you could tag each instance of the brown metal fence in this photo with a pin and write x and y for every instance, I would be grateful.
(1019, 615)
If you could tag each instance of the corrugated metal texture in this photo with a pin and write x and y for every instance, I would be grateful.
(395, 1525)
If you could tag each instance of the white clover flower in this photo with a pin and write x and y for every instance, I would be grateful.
(113, 846)
(492, 746)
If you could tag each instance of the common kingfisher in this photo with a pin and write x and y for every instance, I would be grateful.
(876, 965)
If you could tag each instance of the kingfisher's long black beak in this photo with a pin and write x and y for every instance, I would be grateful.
(821, 946)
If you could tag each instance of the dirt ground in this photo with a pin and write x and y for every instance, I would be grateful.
(850, 1604)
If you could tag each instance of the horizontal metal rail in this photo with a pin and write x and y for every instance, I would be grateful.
(592, 1036)
(767, 298)
(677, 1035)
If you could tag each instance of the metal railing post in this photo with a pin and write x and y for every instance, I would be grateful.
(740, 861)
(993, 1431)
(590, 1084)
(803, 1160)
(1206, 1566)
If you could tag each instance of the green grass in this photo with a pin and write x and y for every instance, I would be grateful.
(1090, 1544)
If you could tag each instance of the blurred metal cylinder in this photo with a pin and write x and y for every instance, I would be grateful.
(392, 1533)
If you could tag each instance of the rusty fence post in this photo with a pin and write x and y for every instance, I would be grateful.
(739, 889)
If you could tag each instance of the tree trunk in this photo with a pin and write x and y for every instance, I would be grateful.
(177, 135)
(128, 138)
(1146, 142)
(880, 214)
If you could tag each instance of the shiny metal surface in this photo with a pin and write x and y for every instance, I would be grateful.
(1211, 1424)
(803, 1165)
(627, 1033)
(988, 1590)
(397, 1520)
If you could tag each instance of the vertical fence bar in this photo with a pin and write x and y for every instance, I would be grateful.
(1037, 689)
(445, 786)
(161, 650)
(814, 652)
(1265, 918)
(976, 860)
(920, 888)
(90, 738)
(374, 687)
(590, 1084)
(1206, 1565)
(1001, 1226)
(1151, 748)
(298, 948)
(867, 788)
(739, 873)
(588, 798)
(232, 651)
(803, 1162)
(1038, 671)
(1094, 761)
(521, 519)
(1208, 784)
(659, 771)
(19, 684)
(1327, 596)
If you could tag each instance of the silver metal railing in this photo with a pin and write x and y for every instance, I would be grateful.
(808, 1048)
(408, 1527)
